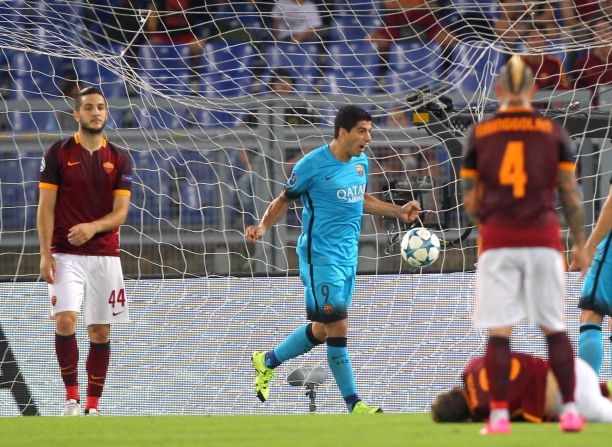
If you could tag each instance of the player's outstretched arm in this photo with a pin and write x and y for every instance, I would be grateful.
(275, 212)
(601, 229)
(406, 213)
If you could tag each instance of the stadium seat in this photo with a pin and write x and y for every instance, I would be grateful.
(90, 72)
(151, 180)
(58, 23)
(35, 77)
(300, 61)
(413, 66)
(251, 18)
(19, 191)
(165, 70)
(153, 117)
(227, 71)
(474, 66)
(13, 16)
(199, 190)
(354, 69)
(353, 21)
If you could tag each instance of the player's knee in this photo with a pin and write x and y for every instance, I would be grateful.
(336, 328)
(590, 316)
(316, 332)
(99, 333)
(65, 323)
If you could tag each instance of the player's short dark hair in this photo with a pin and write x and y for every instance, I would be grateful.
(78, 99)
(348, 117)
(450, 406)
(516, 77)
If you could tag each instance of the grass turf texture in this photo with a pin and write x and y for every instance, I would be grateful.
(386, 430)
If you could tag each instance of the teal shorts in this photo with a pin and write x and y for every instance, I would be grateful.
(597, 286)
(329, 291)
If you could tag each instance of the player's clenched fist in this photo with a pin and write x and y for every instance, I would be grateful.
(254, 232)
(410, 211)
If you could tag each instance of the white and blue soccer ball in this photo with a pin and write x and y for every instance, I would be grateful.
(420, 247)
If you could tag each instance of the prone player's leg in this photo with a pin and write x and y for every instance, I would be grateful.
(592, 405)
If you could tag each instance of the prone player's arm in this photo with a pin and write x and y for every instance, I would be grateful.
(407, 213)
(81, 233)
(45, 221)
(274, 213)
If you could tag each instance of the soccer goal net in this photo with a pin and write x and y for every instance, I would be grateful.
(216, 101)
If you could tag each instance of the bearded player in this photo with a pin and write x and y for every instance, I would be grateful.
(85, 186)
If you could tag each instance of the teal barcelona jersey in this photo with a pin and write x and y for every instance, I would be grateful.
(332, 193)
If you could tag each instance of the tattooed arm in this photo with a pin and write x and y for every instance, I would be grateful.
(571, 204)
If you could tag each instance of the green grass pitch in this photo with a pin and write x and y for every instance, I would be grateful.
(385, 430)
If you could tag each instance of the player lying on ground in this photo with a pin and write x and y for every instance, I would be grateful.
(533, 390)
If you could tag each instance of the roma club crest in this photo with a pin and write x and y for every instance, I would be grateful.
(108, 166)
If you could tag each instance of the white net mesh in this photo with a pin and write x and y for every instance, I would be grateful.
(217, 100)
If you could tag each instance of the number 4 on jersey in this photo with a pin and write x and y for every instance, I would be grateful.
(512, 169)
(117, 297)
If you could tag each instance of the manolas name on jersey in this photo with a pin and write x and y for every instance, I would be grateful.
(332, 192)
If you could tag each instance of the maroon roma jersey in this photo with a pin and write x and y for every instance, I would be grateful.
(526, 390)
(548, 72)
(515, 157)
(86, 185)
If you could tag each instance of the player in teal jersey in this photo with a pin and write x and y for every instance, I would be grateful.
(331, 181)
(596, 299)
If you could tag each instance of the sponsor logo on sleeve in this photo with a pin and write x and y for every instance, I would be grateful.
(126, 178)
(42, 164)
(292, 179)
